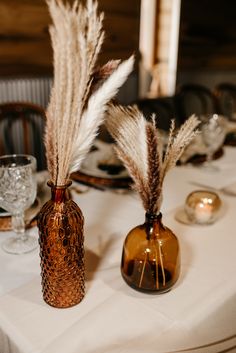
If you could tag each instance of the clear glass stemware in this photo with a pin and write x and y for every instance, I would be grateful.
(213, 135)
(17, 193)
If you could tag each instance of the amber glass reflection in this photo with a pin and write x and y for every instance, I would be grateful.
(60, 224)
(150, 260)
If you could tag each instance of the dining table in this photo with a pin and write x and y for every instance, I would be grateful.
(197, 315)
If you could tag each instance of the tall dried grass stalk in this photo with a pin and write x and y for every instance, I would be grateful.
(140, 148)
(80, 93)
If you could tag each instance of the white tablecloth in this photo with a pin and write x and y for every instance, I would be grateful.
(199, 312)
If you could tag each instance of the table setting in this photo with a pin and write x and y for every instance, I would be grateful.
(102, 168)
(133, 251)
(199, 310)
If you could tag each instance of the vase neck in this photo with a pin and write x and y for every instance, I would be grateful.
(59, 193)
(153, 224)
(152, 217)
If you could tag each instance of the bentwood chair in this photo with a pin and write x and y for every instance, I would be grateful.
(195, 99)
(21, 130)
(226, 98)
(164, 109)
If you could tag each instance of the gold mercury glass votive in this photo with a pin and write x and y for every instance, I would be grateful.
(202, 206)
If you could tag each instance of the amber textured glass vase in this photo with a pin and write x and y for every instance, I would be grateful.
(150, 260)
(60, 224)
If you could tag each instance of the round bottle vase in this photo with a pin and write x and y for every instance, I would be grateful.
(150, 259)
(61, 240)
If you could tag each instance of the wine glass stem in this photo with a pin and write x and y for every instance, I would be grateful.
(18, 225)
(209, 157)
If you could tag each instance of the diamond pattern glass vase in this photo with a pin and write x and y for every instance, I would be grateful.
(61, 240)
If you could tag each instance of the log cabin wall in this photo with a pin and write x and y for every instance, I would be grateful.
(207, 42)
(25, 49)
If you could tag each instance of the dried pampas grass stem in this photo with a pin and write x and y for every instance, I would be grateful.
(80, 92)
(140, 148)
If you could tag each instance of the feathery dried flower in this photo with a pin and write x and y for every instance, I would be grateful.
(140, 149)
(80, 94)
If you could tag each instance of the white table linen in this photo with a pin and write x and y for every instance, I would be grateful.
(113, 318)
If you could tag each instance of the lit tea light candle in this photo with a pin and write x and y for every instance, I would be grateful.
(202, 206)
(203, 211)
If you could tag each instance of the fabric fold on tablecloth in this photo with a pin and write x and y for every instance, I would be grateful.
(23, 310)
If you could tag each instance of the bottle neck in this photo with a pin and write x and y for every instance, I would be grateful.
(59, 193)
(152, 217)
(153, 223)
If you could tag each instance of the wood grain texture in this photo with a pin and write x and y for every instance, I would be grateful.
(207, 35)
(25, 48)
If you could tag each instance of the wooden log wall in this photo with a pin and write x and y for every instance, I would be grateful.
(207, 35)
(25, 48)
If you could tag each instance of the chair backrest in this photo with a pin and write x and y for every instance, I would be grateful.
(21, 130)
(195, 99)
(226, 98)
(163, 107)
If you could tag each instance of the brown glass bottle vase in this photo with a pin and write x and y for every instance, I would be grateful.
(150, 259)
(60, 224)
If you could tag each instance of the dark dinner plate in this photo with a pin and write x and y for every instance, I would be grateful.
(201, 158)
(102, 169)
(230, 139)
(3, 213)
(101, 183)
